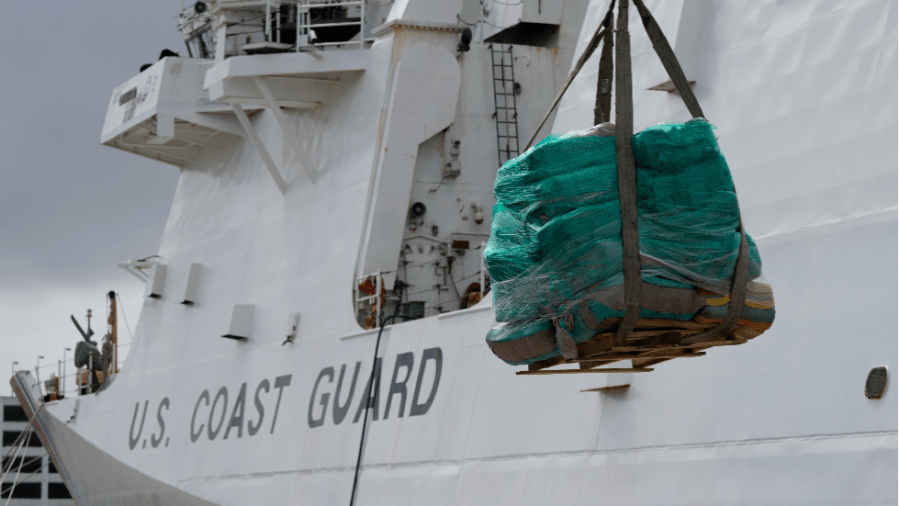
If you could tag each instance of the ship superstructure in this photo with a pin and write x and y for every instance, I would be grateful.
(337, 162)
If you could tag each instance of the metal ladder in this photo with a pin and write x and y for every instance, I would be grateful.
(505, 103)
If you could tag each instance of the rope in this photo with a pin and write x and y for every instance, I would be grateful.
(22, 434)
(19, 444)
(13, 447)
(368, 398)
(12, 485)
(19, 470)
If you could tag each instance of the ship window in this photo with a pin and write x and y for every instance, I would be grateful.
(22, 491)
(14, 413)
(51, 468)
(58, 491)
(10, 436)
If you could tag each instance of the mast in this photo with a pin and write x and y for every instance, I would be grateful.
(113, 337)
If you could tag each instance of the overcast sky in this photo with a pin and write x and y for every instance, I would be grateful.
(71, 209)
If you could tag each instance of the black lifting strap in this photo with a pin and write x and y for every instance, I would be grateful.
(625, 156)
(626, 174)
(741, 268)
(668, 59)
(605, 74)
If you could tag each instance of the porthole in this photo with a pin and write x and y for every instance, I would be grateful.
(876, 382)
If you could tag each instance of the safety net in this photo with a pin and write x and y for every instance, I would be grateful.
(555, 252)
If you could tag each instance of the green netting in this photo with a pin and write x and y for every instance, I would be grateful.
(556, 228)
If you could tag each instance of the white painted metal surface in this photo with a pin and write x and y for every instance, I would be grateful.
(805, 98)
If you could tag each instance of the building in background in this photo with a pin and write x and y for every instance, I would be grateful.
(38, 481)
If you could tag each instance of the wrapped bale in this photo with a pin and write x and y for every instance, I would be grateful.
(555, 252)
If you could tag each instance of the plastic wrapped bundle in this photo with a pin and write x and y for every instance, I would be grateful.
(555, 252)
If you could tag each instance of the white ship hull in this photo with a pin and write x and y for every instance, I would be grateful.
(805, 99)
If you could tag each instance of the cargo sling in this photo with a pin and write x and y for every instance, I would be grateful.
(625, 159)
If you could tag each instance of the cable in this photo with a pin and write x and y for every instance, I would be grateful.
(16, 479)
(492, 24)
(368, 399)
(27, 463)
(461, 20)
(21, 444)
(127, 326)
(451, 277)
(422, 263)
(439, 184)
(22, 434)
(15, 446)
(368, 395)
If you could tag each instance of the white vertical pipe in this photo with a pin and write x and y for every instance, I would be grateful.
(378, 287)
(278, 25)
(268, 22)
(362, 24)
(481, 282)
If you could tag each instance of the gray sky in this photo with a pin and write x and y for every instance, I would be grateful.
(71, 209)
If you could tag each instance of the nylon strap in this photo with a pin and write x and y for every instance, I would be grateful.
(605, 74)
(625, 156)
(601, 32)
(676, 74)
(626, 175)
(668, 59)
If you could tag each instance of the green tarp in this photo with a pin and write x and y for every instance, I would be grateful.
(556, 228)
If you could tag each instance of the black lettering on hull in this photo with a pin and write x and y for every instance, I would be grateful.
(340, 412)
(318, 422)
(399, 387)
(223, 394)
(237, 413)
(155, 440)
(437, 356)
(132, 439)
(196, 435)
(370, 393)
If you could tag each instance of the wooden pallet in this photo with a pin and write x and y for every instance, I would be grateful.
(653, 341)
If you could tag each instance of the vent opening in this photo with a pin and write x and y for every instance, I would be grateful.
(876, 382)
